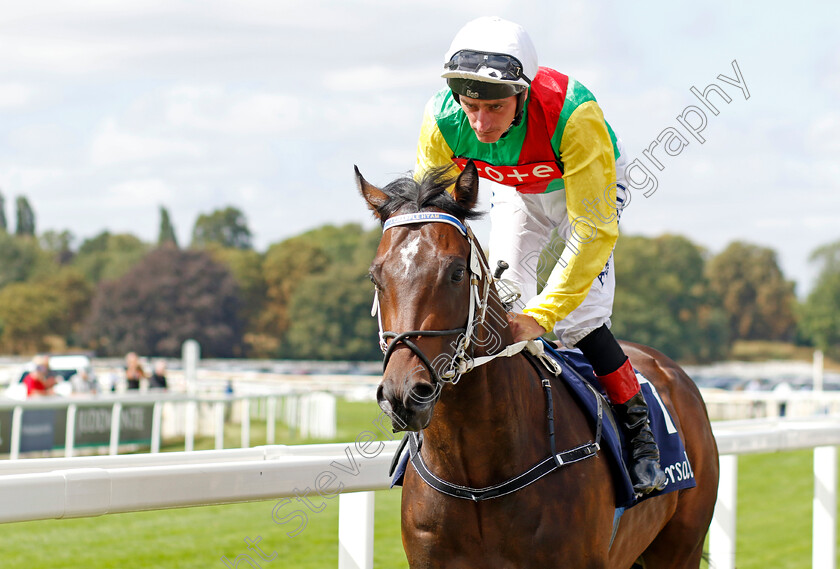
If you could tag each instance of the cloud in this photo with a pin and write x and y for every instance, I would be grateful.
(378, 78)
(214, 109)
(14, 177)
(139, 192)
(15, 95)
(824, 135)
(113, 145)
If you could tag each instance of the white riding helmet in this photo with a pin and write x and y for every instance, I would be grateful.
(490, 58)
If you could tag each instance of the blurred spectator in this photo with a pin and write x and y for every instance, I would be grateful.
(83, 382)
(40, 381)
(134, 372)
(158, 378)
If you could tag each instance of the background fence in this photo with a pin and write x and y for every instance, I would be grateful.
(67, 424)
(48, 488)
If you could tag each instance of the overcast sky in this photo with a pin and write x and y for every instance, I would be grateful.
(112, 109)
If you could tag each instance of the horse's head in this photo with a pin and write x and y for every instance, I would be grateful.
(423, 272)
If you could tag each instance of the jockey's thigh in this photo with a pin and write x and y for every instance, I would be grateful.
(593, 312)
(519, 230)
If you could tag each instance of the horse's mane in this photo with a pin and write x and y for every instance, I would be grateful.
(409, 196)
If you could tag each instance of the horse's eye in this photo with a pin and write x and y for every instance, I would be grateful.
(458, 275)
(373, 280)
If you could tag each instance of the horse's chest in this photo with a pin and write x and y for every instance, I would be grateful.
(518, 533)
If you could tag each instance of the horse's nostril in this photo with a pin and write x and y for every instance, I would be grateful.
(421, 395)
(387, 398)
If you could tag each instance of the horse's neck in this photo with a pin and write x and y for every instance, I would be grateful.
(489, 425)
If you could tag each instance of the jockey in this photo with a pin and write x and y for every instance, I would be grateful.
(543, 137)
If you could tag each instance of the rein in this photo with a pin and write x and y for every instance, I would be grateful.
(461, 363)
(546, 466)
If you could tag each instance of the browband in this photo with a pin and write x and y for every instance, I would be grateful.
(425, 217)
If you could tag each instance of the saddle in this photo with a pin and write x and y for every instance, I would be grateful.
(571, 367)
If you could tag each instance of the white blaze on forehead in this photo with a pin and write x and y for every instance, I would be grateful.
(408, 252)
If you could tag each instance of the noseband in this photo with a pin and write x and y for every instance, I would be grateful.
(479, 273)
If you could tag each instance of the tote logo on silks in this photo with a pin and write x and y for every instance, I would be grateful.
(522, 176)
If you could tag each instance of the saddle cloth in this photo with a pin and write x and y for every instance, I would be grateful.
(673, 458)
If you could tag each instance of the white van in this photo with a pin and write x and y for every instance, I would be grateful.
(64, 367)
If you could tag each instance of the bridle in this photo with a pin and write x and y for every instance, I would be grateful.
(480, 278)
(461, 362)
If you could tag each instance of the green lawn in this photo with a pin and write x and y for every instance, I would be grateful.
(774, 523)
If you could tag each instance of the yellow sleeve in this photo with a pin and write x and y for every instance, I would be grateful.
(589, 175)
(432, 149)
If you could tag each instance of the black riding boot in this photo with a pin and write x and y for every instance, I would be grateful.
(618, 378)
(645, 471)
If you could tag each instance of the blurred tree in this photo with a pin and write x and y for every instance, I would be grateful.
(663, 300)
(4, 226)
(59, 245)
(109, 256)
(344, 244)
(166, 234)
(820, 313)
(246, 266)
(25, 217)
(32, 312)
(330, 317)
(317, 286)
(759, 302)
(29, 313)
(227, 227)
(332, 305)
(75, 294)
(285, 267)
(168, 297)
(21, 259)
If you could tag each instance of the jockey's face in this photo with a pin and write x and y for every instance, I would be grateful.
(490, 118)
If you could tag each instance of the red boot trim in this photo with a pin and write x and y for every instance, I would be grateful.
(620, 385)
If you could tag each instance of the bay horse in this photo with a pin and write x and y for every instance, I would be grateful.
(440, 318)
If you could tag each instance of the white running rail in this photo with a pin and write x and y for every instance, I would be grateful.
(38, 489)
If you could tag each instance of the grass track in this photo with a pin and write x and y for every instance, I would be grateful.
(774, 523)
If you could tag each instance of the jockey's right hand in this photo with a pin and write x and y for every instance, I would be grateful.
(524, 327)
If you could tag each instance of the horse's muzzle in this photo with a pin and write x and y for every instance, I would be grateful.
(410, 409)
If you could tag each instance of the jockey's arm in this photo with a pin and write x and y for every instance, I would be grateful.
(589, 175)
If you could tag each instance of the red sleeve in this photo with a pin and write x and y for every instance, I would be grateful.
(33, 384)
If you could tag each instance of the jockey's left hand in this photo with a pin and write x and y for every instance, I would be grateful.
(524, 327)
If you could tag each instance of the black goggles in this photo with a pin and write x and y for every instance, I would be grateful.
(508, 66)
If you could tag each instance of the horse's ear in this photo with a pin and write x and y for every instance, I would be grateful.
(374, 197)
(466, 187)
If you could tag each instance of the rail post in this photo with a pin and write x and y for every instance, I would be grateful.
(722, 532)
(116, 413)
(70, 431)
(355, 530)
(245, 432)
(271, 416)
(824, 548)
(156, 420)
(189, 427)
(219, 407)
(17, 421)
